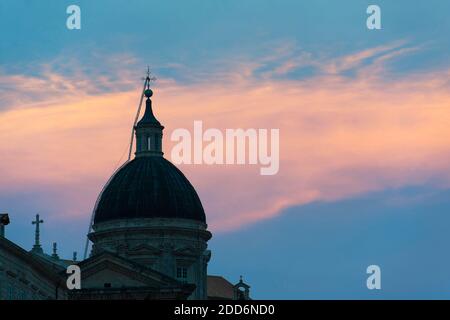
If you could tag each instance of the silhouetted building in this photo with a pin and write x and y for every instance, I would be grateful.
(149, 238)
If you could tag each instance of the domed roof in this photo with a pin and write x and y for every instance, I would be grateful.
(149, 187)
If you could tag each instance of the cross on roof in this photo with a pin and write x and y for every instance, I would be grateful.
(37, 222)
(149, 78)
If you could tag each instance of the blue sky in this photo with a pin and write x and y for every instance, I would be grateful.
(322, 250)
(384, 209)
(199, 33)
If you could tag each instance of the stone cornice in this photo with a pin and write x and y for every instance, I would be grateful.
(150, 222)
(149, 227)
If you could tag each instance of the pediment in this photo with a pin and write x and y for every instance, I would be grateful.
(116, 277)
(110, 268)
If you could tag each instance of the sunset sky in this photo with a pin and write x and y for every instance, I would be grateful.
(364, 120)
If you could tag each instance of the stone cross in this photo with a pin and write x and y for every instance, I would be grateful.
(55, 251)
(37, 245)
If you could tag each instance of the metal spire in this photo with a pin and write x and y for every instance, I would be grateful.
(4, 221)
(148, 79)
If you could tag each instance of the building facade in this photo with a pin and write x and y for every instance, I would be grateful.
(25, 275)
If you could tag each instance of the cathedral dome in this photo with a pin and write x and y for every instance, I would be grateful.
(149, 187)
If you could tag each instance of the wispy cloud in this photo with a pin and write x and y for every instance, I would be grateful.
(66, 79)
(340, 136)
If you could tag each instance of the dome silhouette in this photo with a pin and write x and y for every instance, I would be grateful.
(149, 187)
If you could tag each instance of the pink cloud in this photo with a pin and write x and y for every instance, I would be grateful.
(339, 137)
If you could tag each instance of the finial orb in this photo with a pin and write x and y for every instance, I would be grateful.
(148, 93)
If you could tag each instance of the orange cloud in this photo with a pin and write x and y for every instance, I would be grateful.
(339, 137)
